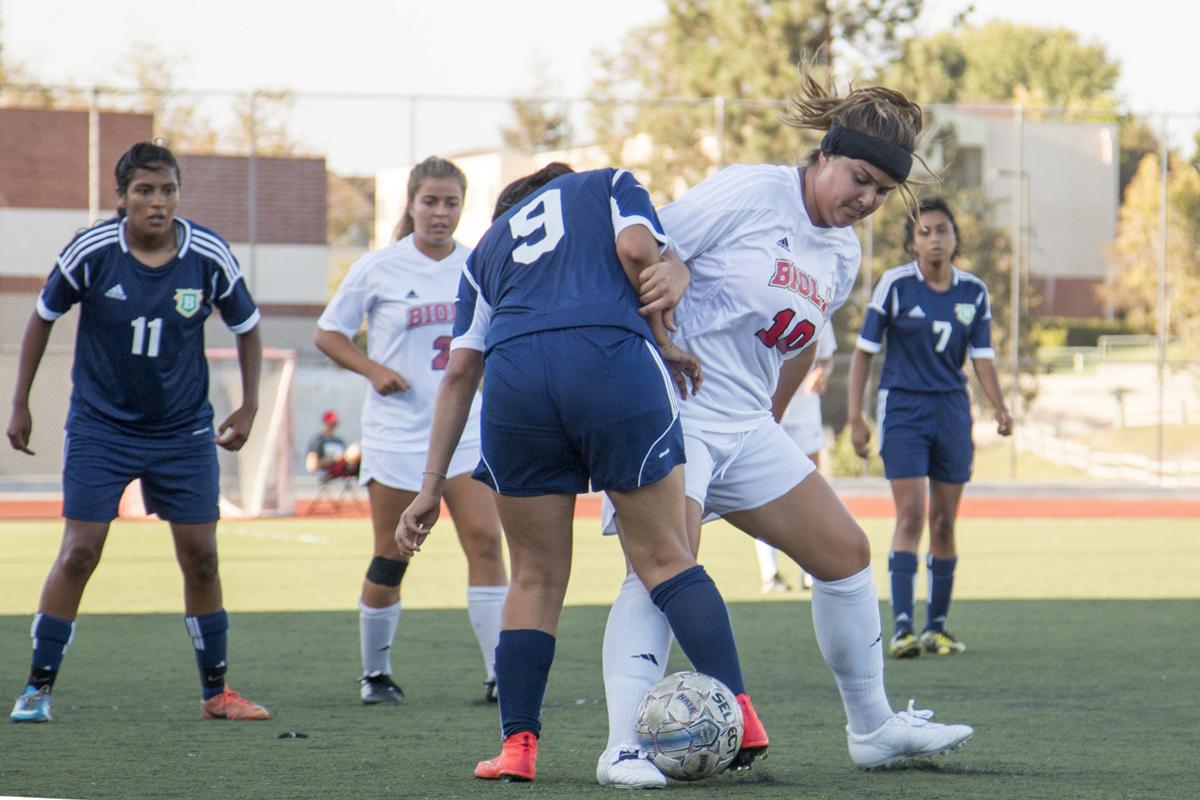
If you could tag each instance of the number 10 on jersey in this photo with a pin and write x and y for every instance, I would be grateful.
(779, 336)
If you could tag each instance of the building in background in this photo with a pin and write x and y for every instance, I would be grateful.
(1063, 177)
(1064, 231)
(276, 227)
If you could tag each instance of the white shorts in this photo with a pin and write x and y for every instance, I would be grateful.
(802, 422)
(403, 470)
(727, 472)
(809, 438)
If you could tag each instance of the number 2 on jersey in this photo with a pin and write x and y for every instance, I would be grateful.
(794, 339)
(525, 222)
(139, 326)
(442, 345)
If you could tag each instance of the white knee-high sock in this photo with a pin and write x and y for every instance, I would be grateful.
(637, 642)
(846, 621)
(376, 630)
(768, 560)
(484, 607)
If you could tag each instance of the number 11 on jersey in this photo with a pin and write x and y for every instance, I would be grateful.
(139, 326)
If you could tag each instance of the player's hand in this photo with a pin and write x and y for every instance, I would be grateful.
(816, 381)
(684, 367)
(416, 523)
(386, 381)
(860, 435)
(20, 428)
(235, 430)
(1004, 422)
(663, 285)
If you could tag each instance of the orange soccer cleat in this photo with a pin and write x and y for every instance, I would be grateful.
(754, 736)
(517, 760)
(231, 705)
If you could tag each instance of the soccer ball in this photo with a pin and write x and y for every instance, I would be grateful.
(690, 725)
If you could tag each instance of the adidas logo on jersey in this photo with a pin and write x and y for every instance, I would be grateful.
(784, 244)
(916, 312)
(116, 293)
(412, 295)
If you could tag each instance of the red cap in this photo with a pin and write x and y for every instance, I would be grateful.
(329, 418)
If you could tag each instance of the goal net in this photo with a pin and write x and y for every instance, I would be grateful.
(256, 480)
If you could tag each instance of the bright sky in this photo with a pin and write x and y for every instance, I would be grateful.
(488, 47)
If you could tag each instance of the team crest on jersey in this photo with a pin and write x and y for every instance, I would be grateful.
(187, 301)
(965, 312)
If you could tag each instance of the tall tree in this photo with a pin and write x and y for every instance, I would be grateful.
(539, 123)
(1006, 62)
(744, 51)
(177, 116)
(263, 119)
(1134, 258)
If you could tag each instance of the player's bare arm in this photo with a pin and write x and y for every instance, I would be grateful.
(451, 410)
(985, 370)
(235, 430)
(33, 347)
(338, 347)
(662, 287)
(860, 434)
(791, 375)
(645, 263)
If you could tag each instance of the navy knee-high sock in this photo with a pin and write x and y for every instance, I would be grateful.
(902, 567)
(523, 659)
(51, 636)
(209, 634)
(700, 621)
(941, 586)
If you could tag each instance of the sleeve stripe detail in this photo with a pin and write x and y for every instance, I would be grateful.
(222, 259)
(106, 234)
(218, 244)
(77, 256)
(45, 312)
(67, 274)
(867, 346)
(471, 280)
(620, 223)
(981, 352)
(879, 296)
(250, 322)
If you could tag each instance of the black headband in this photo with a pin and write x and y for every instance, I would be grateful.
(891, 158)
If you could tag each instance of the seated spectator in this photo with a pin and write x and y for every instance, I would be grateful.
(330, 454)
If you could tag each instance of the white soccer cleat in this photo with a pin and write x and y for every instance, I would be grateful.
(906, 734)
(628, 768)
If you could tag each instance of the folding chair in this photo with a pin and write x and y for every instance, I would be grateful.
(332, 490)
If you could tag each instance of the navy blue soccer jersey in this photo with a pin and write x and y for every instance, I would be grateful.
(139, 350)
(929, 333)
(550, 262)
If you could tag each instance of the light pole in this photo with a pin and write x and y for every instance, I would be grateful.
(1021, 202)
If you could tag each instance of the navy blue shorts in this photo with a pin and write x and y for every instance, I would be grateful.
(565, 406)
(179, 476)
(925, 434)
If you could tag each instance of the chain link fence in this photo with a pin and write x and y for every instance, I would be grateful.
(1083, 225)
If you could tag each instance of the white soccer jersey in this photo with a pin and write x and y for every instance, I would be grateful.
(764, 282)
(408, 300)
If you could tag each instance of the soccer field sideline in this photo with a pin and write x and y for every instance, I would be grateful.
(317, 564)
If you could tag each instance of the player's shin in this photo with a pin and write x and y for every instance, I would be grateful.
(523, 659)
(694, 607)
(209, 634)
(637, 642)
(846, 621)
